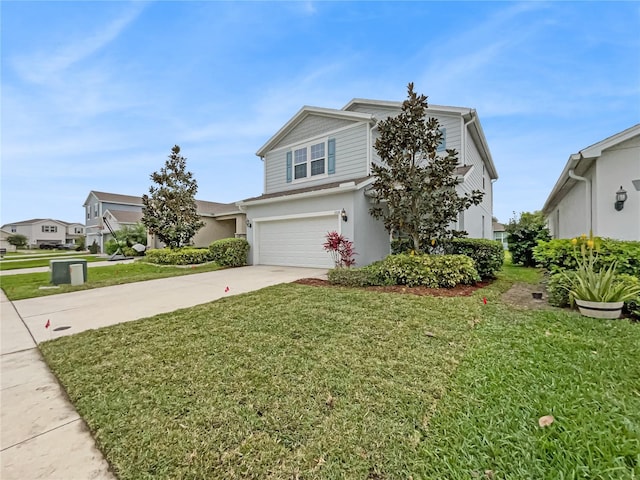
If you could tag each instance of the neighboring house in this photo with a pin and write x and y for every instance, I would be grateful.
(4, 234)
(222, 220)
(317, 178)
(45, 231)
(500, 234)
(585, 197)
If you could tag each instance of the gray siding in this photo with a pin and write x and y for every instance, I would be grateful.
(310, 127)
(351, 161)
(474, 224)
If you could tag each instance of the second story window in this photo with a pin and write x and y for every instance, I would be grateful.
(309, 161)
(95, 210)
(49, 228)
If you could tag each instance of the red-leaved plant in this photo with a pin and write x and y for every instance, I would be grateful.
(341, 250)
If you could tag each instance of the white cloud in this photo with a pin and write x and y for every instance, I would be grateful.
(44, 66)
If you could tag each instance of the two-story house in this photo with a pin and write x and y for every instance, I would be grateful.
(46, 231)
(317, 175)
(222, 220)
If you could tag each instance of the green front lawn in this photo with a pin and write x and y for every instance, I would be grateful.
(15, 264)
(28, 285)
(308, 382)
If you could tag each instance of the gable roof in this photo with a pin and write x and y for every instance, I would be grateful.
(114, 198)
(581, 162)
(303, 113)
(322, 189)
(37, 220)
(123, 216)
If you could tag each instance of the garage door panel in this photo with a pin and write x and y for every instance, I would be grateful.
(295, 242)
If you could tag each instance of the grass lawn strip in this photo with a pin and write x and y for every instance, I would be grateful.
(44, 262)
(27, 285)
(290, 380)
(336, 383)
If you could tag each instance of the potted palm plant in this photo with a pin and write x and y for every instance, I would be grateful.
(596, 291)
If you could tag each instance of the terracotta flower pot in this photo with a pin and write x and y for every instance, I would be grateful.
(600, 309)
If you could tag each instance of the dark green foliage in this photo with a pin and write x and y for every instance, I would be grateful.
(127, 237)
(415, 188)
(81, 245)
(179, 256)
(17, 240)
(523, 234)
(93, 248)
(170, 211)
(558, 289)
(556, 255)
(433, 271)
(230, 252)
(487, 255)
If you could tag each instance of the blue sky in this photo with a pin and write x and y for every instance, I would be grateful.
(95, 94)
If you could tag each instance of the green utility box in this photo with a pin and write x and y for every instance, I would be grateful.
(61, 271)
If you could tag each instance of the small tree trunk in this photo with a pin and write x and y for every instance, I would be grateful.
(416, 242)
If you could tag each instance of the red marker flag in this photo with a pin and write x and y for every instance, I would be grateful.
(226, 289)
(484, 300)
(48, 324)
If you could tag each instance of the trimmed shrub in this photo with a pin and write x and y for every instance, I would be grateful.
(230, 252)
(558, 290)
(487, 255)
(433, 271)
(178, 256)
(93, 248)
(556, 255)
(523, 234)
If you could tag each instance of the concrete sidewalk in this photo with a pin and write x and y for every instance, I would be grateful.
(42, 436)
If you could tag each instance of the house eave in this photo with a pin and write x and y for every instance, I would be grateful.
(303, 113)
(342, 188)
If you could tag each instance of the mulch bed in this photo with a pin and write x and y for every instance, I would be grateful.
(457, 291)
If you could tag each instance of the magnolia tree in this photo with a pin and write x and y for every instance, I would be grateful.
(170, 211)
(415, 187)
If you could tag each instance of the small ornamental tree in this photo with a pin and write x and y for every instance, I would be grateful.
(17, 240)
(341, 250)
(170, 211)
(415, 187)
(524, 231)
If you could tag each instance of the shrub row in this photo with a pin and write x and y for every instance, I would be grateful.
(487, 255)
(433, 271)
(230, 252)
(178, 256)
(560, 254)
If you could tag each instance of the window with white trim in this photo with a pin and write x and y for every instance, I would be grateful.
(95, 210)
(49, 228)
(310, 161)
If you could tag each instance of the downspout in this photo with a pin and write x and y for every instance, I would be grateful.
(464, 135)
(370, 144)
(589, 206)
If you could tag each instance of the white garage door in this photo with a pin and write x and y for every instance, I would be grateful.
(295, 242)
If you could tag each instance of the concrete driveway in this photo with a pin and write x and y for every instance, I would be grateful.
(101, 307)
(43, 437)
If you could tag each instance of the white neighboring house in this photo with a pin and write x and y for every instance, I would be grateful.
(40, 231)
(222, 220)
(588, 195)
(317, 177)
